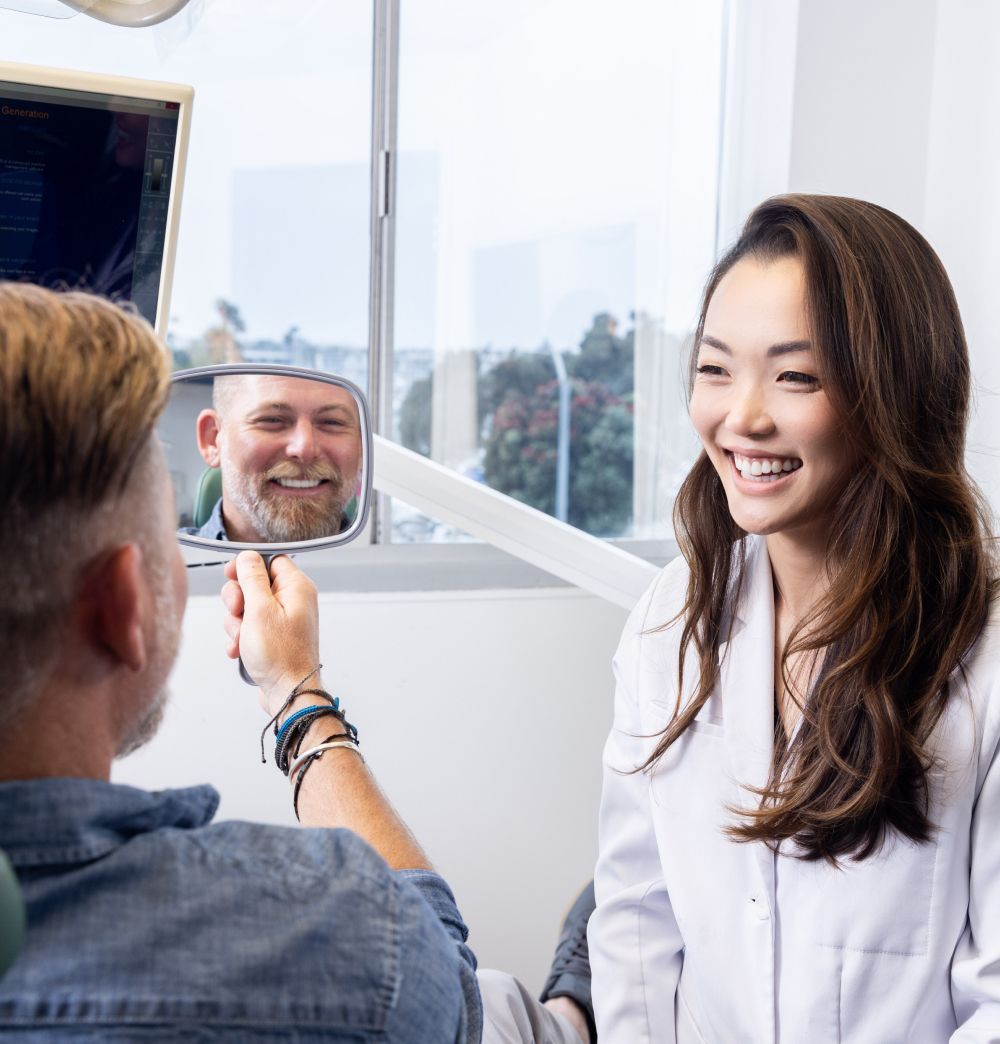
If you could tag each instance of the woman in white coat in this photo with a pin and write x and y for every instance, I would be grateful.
(800, 824)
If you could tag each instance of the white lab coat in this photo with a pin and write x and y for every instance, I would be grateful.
(698, 938)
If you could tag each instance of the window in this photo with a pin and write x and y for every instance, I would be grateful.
(556, 200)
(556, 173)
(273, 249)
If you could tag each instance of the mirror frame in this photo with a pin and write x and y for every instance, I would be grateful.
(275, 370)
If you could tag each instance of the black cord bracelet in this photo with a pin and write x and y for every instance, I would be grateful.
(291, 738)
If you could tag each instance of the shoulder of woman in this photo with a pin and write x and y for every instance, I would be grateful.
(982, 664)
(659, 605)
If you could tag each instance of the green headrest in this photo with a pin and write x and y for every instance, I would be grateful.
(207, 496)
(11, 915)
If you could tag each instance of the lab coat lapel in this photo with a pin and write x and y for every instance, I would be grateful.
(747, 677)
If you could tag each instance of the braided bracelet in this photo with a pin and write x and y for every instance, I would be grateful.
(291, 737)
(281, 710)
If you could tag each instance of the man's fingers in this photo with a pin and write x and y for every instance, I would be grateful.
(283, 570)
(232, 598)
(288, 578)
(253, 578)
(233, 645)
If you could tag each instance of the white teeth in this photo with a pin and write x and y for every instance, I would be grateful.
(766, 470)
(297, 483)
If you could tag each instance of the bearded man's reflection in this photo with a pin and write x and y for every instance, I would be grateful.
(289, 450)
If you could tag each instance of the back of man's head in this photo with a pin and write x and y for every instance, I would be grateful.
(82, 385)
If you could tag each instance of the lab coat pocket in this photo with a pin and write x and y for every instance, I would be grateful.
(658, 715)
(881, 904)
(692, 777)
(684, 1022)
(708, 728)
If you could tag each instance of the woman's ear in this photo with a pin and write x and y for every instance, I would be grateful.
(113, 599)
(207, 428)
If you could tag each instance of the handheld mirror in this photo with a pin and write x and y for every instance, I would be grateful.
(273, 459)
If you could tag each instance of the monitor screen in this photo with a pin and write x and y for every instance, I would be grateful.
(90, 178)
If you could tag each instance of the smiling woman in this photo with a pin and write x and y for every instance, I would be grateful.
(756, 417)
(818, 715)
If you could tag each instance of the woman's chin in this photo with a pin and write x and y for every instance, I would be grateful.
(756, 523)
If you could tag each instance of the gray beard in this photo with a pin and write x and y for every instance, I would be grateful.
(145, 727)
(288, 523)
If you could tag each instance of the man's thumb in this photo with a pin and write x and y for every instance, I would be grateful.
(253, 578)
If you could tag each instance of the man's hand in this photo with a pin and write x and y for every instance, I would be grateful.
(272, 622)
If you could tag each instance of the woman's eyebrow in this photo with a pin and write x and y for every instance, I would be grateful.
(781, 348)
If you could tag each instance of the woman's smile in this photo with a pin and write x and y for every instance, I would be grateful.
(762, 476)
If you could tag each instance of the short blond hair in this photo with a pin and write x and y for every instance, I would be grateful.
(82, 385)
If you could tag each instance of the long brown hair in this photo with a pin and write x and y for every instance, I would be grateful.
(913, 569)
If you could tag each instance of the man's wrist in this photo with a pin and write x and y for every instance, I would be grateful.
(276, 694)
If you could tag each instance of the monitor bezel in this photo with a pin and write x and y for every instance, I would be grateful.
(146, 90)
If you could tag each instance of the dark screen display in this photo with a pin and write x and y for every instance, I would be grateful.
(84, 190)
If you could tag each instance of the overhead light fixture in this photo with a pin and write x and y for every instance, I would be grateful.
(134, 14)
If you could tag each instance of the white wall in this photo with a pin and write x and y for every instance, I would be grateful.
(862, 101)
(898, 102)
(483, 716)
(962, 204)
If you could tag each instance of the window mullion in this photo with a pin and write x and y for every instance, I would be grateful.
(385, 68)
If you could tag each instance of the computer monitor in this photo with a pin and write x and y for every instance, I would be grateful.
(91, 171)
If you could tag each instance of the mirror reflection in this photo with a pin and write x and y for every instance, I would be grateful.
(267, 458)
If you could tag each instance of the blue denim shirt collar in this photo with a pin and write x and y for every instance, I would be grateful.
(49, 822)
(214, 528)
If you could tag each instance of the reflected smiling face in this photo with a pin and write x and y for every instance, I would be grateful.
(290, 453)
(759, 406)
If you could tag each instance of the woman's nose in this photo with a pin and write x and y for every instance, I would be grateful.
(748, 412)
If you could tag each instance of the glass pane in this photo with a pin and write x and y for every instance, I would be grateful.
(273, 251)
(556, 204)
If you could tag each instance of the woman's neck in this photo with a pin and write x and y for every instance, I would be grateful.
(799, 572)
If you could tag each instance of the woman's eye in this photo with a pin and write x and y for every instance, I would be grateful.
(712, 371)
(798, 378)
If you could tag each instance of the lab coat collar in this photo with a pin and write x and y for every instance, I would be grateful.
(747, 674)
(747, 689)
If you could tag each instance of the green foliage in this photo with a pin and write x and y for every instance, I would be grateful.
(605, 357)
(519, 415)
(415, 417)
(521, 452)
(522, 435)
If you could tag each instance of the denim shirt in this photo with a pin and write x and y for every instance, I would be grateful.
(212, 529)
(148, 922)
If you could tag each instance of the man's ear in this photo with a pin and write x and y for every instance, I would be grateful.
(207, 428)
(113, 605)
